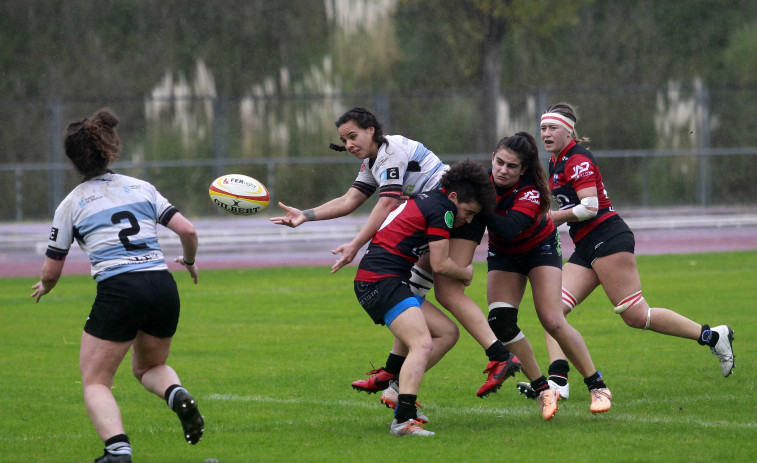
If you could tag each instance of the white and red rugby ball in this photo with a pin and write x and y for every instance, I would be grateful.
(239, 194)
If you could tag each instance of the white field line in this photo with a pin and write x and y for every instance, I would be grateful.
(530, 409)
(498, 412)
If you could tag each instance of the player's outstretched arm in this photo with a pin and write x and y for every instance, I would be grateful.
(380, 212)
(293, 218)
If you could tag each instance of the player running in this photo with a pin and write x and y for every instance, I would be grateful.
(604, 253)
(524, 247)
(114, 219)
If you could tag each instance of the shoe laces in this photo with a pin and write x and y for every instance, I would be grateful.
(412, 426)
(546, 397)
(492, 366)
(374, 372)
(600, 395)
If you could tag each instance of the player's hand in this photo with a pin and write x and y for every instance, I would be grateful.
(39, 291)
(293, 217)
(193, 270)
(348, 251)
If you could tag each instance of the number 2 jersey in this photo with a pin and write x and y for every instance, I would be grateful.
(114, 219)
(573, 170)
(404, 236)
(401, 167)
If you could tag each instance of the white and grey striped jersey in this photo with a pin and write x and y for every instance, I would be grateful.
(114, 219)
(402, 167)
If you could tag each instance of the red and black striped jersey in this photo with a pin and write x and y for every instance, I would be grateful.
(404, 236)
(573, 170)
(524, 198)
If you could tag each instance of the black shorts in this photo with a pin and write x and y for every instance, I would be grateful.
(546, 253)
(473, 231)
(610, 237)
(386, 298)
(134, 301)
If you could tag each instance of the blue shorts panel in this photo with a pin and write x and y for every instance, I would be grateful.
(403, 305)
(379, 298)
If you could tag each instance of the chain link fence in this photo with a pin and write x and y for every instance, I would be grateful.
(672, 146)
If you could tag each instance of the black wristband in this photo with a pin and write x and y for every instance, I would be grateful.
(188, 264)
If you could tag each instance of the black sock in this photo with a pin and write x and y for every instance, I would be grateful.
(708, 337)
(595, 381)
(497, 352)
(558, 372)
(118, 445)
(117, 438)
(539, 384)
(167, 394)
(406, 409)
(394, 363)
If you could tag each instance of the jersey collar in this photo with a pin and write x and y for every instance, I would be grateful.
(570, 145)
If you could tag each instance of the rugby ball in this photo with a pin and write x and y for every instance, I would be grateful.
(239, 194)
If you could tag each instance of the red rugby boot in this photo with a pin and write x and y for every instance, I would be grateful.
(498, 373)
(378, 381)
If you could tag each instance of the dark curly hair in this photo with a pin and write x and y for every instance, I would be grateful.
(472, 184)
(92, 143)
(364, 119)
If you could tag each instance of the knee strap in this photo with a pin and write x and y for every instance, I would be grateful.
(503, 320)
(568, 299)
(628, 302)
(649, 318)
(421, 281)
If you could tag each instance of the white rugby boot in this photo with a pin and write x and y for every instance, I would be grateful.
(723, 350)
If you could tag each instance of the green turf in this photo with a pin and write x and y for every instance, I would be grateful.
(270, 354)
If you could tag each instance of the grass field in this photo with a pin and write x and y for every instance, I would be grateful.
(270, 354)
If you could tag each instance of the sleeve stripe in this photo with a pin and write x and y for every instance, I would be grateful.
(166, 216)
(364, 188)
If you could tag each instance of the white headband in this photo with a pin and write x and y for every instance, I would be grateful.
(558, 119)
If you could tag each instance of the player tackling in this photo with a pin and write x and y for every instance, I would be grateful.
(382, 284)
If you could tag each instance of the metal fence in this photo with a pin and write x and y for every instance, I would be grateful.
(655, 146)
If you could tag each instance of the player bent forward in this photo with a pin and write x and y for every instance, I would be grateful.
(420, 225)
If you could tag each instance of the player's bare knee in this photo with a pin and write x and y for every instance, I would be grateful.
(553, 324)
(631, 309)
(138, 372)
(454, 334)
(635, 317)
(426, 347)
(450, 333)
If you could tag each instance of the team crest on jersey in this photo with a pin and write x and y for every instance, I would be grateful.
(449, 219)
